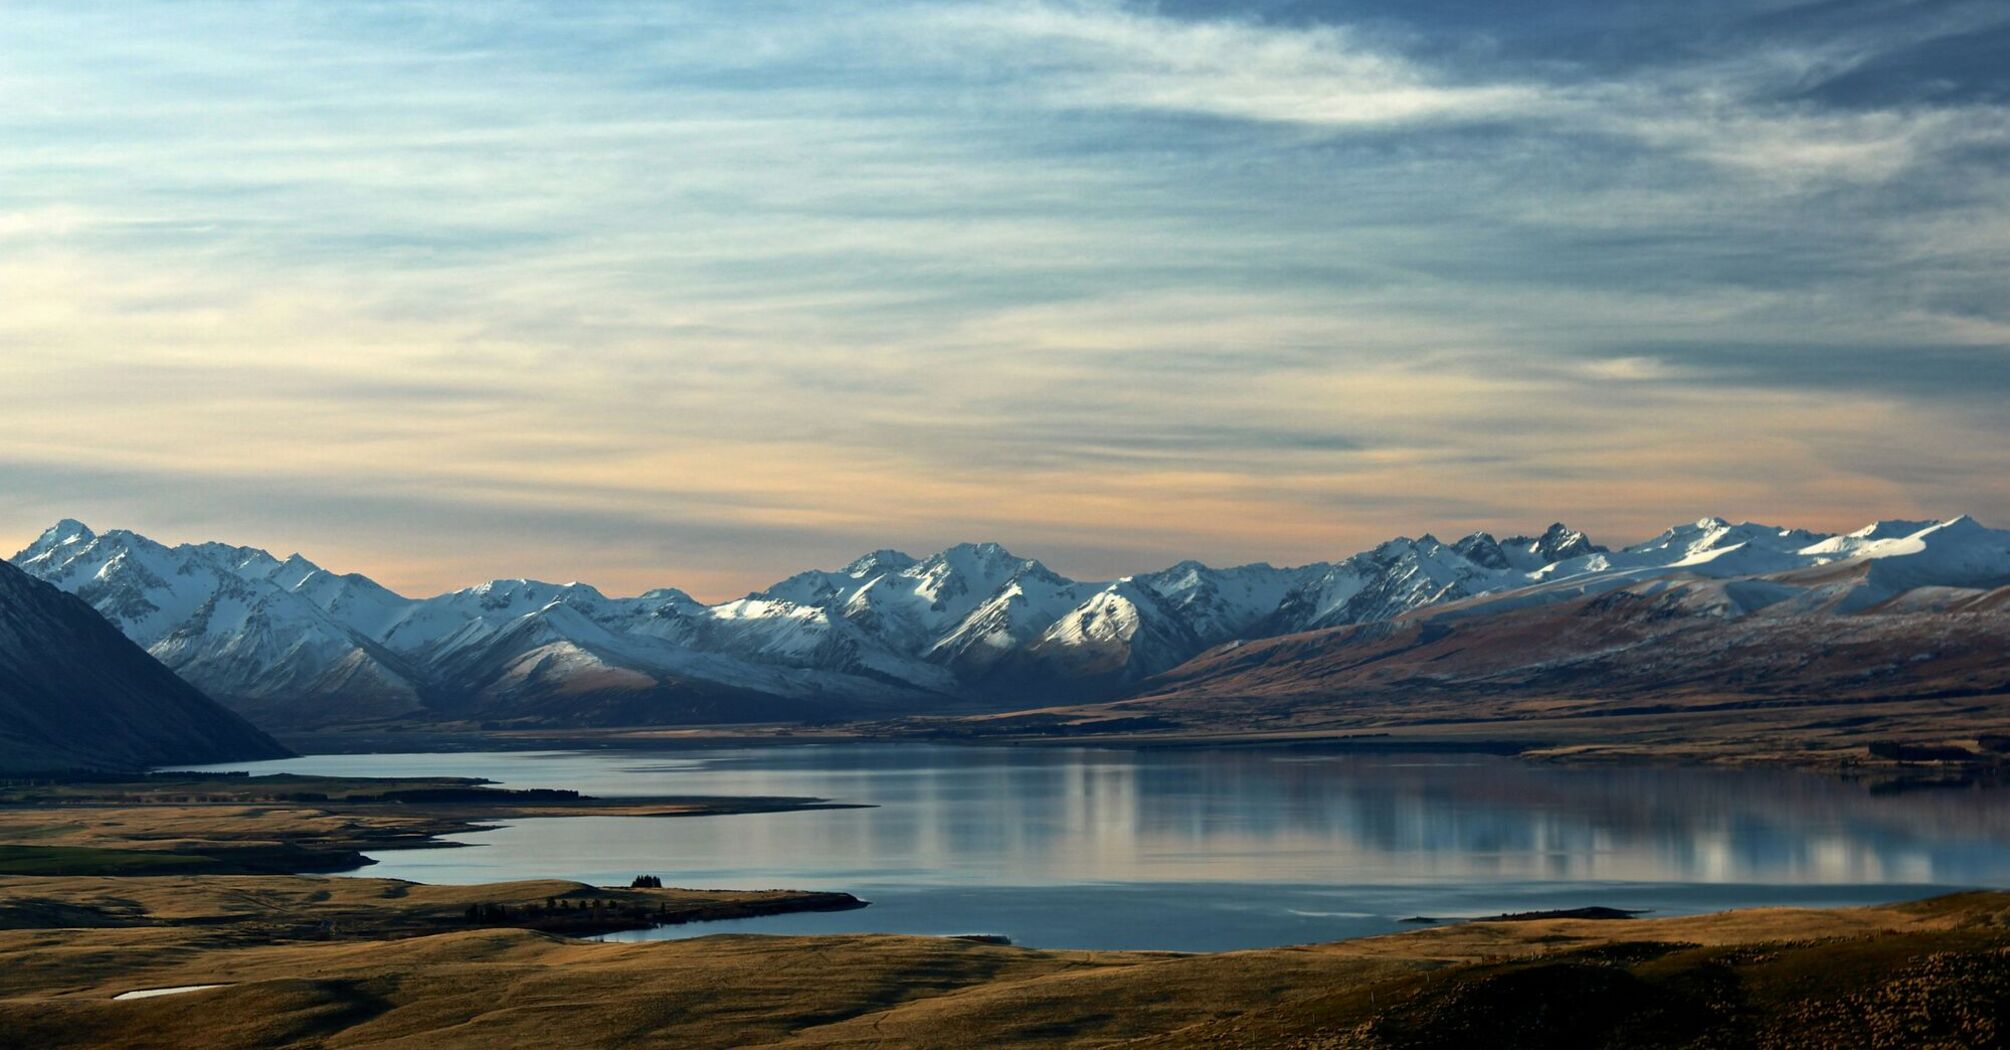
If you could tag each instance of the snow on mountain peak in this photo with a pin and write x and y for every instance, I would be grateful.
(984, 558)
(1483, 550)
(524, 594)
(1959, 552)
(962, 576)
(1561, 543)
(65, 533)
(1558, 543)
(68, 530)
(1890, 528)
(241, 623)
(886, 559)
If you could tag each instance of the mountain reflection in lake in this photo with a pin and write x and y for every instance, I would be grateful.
(1212, 849)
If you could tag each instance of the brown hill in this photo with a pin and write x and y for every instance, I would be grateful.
(1665, 637)
(1756, 667)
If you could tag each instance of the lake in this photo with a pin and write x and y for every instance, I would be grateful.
(1205, 850)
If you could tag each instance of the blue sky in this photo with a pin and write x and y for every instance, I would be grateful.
(699, 294)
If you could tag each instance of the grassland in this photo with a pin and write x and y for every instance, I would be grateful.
(283, 824)
(304, 963)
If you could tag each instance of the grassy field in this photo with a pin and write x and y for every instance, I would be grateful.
(86, 860)
(274, 825)
(222, 911)
(304, 965)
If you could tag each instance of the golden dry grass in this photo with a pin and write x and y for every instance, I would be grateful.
(512, 988)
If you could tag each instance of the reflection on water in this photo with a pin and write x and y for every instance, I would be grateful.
(1213, 849)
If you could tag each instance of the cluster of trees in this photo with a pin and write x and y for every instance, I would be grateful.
(474, 793)
(1888, 749)
(488, 913)
(646, 882)
(560, 912)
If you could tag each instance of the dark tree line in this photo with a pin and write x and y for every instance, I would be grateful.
(561, 912)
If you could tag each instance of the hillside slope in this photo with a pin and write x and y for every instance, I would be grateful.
(77, 694)
(1807, 637)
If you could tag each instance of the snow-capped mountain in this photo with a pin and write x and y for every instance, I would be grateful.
(1221, 605)
(1123, 633)
(1899, 610)
(75, 693)
(290, 642)
(964, 608)
(230, 620)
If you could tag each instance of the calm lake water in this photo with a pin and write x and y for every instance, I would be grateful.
(1210, 850)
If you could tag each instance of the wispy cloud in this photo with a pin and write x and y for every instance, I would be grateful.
(1100, 56)
(745, 286)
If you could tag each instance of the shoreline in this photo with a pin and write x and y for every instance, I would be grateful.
(222, 910)
(286, 959)
(1502, 737)
(286, 823)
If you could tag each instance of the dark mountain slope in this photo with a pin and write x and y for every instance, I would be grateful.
(76, 694)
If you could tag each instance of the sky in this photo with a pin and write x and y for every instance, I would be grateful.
(701, 294)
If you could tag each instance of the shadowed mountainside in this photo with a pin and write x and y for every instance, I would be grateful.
(1678, 636)
(77, 694)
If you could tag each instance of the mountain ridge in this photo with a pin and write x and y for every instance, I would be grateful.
(76, 694)
(973, 625)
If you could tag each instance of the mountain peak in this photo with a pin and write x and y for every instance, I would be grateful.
(1483, 550)
(1559, 542)
(1961, 528)
(63, 533)
(69, 530)
(986, 549)
(885, 559)
(983, 557)
(1394, 548)
(1892, 528)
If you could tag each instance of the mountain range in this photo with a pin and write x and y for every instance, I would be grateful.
(972, 627)
(1747, 617)
(75, 694)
